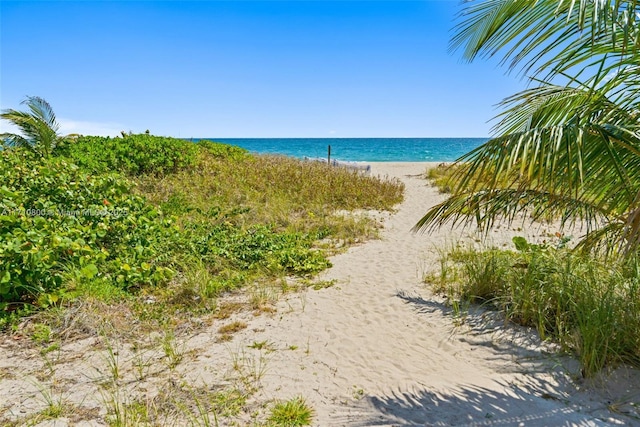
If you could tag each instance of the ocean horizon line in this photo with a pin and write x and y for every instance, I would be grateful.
(409, 149)
(334, 137)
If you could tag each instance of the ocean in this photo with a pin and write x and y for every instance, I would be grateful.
(362, 149)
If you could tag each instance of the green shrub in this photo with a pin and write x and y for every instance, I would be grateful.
(225, 151)
(258, 248)
(70, 229)
(57, 221)
(291, 413)
(131, 154)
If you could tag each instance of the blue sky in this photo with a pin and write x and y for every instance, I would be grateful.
(248, 68)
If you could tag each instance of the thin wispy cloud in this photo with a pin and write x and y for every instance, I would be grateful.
(68, 126)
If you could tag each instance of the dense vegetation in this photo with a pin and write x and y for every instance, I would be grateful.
(114, 216)
(131, 154)
(60, 224)
(586, 305)
(135, 241)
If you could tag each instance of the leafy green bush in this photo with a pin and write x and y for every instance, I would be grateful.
(59, 224)
(225, 151)
(258, 248)
(57, 221)
(131, 154)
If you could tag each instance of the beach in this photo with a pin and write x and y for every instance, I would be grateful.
(383, 350)
(375, 347)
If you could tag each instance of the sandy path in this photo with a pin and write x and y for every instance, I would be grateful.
(375, 349)
(379, 349)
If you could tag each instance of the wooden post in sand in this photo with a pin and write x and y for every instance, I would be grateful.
(329, 155)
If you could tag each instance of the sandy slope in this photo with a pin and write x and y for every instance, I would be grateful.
(375, 349)
(379, 349)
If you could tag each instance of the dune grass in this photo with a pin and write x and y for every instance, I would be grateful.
(291, 413)
(254, 219)
(588, 304)
(442, 176)
(289, 194)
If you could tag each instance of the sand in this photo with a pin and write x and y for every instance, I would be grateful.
(383, 350)
(378, 348)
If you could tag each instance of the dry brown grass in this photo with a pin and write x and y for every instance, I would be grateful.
(290, 193)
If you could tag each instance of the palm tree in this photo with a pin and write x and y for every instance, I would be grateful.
(38, 126)
(569, 146)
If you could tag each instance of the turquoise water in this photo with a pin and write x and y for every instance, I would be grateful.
(362, 149)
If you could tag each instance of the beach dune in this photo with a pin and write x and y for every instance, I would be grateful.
(375, 347)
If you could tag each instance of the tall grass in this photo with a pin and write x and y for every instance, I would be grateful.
(589, 306)
(248, 218)
(290, 194)
(442, 176)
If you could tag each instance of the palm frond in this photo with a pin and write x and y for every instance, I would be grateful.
(38, 126)
(565, 152)
(550, 36)
(569, 147)
(41, 110)
(619, 236)
(485, 208)
(13, 140)
(599, 163)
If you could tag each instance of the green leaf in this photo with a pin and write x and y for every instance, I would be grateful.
(521, 243)
(89, 271)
